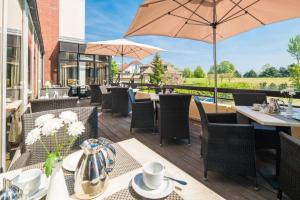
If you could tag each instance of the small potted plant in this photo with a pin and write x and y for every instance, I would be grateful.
(289, 93)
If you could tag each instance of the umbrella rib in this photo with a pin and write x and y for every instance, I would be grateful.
(235, 5)
(232, 18)
(135, 53)
(238, 12)
(247, 12)
(157, 18)
(207, 24)
(183, 5)
(188, 19)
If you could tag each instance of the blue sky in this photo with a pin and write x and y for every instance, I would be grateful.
(110, 19)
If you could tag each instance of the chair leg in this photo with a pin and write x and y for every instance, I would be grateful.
(160, 143)
(189, 140)
(279, 195)
(277, 161)
(255, 184)
(205, 175)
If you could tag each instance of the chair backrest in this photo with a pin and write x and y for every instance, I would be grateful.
(203, 116)
(289, 175)
(38, 105)
(88, 115)
(131, 96)
(120, 100)
(174, 115)
(96, 94)
(103, 89)
(248, 99)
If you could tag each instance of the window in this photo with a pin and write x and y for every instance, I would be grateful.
(13, 73)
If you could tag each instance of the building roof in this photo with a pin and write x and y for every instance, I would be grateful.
(125, 66)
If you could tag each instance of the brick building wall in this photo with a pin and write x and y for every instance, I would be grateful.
(49, 19)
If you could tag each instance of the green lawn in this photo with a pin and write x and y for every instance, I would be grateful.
(240, 83)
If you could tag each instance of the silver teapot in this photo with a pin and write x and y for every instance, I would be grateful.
(91, 174)
(10, 191)
(274, 105)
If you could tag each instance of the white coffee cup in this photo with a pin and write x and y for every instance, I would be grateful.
(29, 181)
(153, 174)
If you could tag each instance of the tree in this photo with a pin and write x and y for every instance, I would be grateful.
(250, 74)
(199, 73)
(284, 72)
(187, 73)
(295, 75)
(237, 74)
(269, 71)
(294, 48)
(224, 67)
(158, 70)
(114, 68)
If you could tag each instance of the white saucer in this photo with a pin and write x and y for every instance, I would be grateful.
(42, 191)
(71, 161)
(139, 187)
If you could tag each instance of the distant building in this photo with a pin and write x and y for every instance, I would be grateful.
(131, 68)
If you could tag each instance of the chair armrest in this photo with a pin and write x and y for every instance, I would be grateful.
(141, 100)
(234, 132)
(226, 118)
(21, 162)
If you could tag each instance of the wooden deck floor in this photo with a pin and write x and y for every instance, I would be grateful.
(186, 157)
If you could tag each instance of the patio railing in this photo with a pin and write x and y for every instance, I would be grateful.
(224, 94)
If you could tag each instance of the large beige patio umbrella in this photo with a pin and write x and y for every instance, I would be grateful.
(209, 20)
(121, 47)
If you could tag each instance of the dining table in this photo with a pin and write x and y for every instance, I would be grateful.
(129, 162)
(282, 122)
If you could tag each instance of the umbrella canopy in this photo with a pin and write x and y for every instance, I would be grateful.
(121, 47)
(209, 20)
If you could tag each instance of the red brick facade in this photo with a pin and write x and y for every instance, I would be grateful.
(49, 20)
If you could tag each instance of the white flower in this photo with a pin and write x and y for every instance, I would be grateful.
(41, 120)
(33, 136)
(76, 128)
(52, 126)
(68, 117)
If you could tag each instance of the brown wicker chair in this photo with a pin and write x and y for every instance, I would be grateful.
(38, 105)
(106, 98)
(120, 101)
(227, 147)
(142, 112)
(96, 97)
(33, 154)
(289, 174)
(173, 116)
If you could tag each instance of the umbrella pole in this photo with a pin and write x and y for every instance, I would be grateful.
(214, 27)
(122, 66)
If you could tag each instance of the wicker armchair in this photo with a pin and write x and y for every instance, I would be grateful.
(289, 174)
(96, 97)
(142, 112)
(106, 98)
(266, 137)
(226, 146)
(33, 154)
(173, 116)
(38, 105)
(120, 101)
